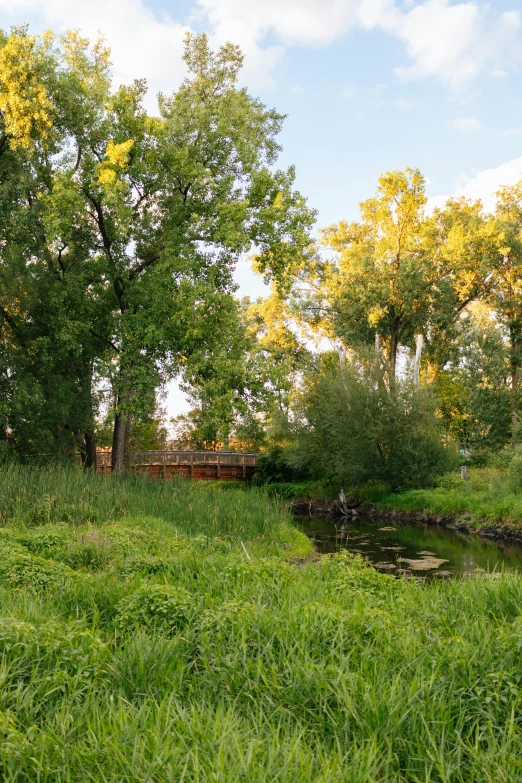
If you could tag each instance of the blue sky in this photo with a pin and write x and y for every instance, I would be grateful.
(368, 85)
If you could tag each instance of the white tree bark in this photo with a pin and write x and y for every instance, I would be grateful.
(419, 340)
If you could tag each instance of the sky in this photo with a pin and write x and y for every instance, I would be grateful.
(367, 85)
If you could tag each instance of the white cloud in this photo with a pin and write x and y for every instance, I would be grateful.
(466, 123)
(499, 73)
(141, 42)
(484, 184)
(298, 88)
(308, 22)
(248, 22)
(453, 42)
(511, 132)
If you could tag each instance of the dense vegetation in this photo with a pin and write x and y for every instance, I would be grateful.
(120, 230)
(119, 233)
(167, 631)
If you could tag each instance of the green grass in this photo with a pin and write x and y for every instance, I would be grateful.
(294, 490)
(172, 636)
(491, 498)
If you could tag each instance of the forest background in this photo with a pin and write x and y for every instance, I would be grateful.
(385, 346)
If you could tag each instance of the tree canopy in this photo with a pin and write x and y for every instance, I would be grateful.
(128, 224)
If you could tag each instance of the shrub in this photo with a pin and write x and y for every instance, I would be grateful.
(18, 569)
(353, 429)
(160, 607)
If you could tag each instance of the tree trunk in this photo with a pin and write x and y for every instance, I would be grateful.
(122, 425)
(87, 435)
(89, 456)
(128, 430)
(118, 444)
(416, 367)
(392, 360)
(515, 372)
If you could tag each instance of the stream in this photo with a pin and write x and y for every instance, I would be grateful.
(403, 549)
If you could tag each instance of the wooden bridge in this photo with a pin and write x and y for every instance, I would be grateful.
(197, 465)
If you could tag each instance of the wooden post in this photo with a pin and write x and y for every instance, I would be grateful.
(191, 464)
(218, 466)
(244, 467)
(104, 463)
(163, 459)
(464, 475)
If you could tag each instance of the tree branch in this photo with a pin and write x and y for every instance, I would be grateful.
(104, 339)
(145, 264)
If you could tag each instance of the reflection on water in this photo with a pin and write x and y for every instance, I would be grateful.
(403, 548)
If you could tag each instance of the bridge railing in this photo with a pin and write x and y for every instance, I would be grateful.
(179, 457)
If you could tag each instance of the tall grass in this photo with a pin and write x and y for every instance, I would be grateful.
(40, 496)
(136, 649)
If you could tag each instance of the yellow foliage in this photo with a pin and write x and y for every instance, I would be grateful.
(118, 154)
(106, 176)
(117, 158)
(374, 315)
(278, 201)
(24, 100)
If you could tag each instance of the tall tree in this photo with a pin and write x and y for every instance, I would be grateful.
(377, 284)
(399, 272)
(49, 93)
(175, 201)
(139, 220)
(507, 290)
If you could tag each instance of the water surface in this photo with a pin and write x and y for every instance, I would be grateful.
(425, 551)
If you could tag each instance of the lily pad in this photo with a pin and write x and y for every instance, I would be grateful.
(387, 566)
(387, 528)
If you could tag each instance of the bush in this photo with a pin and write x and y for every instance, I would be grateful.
(353, 429)
(515, 466)
(18, 569)
(273, 467)
(159, 607)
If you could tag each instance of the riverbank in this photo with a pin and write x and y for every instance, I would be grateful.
(491, 506)
(465, 522)
(397, 509)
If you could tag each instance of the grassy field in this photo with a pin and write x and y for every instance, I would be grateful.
(173, 632)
